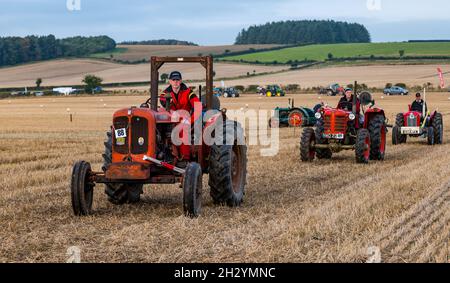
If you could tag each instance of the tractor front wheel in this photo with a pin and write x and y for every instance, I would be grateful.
(192, 190)
(82, 189)
(322, 153)
(430, 136)
(399, 123)
(295, 119)
(362, 146)
(307, 142)
(377, 130)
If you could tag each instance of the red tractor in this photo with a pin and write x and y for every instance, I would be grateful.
(139, 150)
(415, 124)
(338, 130)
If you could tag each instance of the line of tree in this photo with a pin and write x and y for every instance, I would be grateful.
(302, 32)
(159, 42)
(16, 50)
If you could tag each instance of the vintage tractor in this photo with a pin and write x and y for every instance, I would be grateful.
(415, 124)
(274, 90)
(292, 116)
(338, 130)
(332, 90)
(140, 150)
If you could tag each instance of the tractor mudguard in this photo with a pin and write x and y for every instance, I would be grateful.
(369, 113)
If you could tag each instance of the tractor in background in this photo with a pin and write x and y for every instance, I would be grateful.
(338, 130)
(292, 116)
(332, 90)
(271, 91)
(139, 150)
(415, 124)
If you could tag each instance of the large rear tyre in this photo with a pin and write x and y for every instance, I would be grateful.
(362, 146)
(192, 190)
(228, 168)
(307, 143)
(377, 130)
(438, 127)
(82, 189)
(295, 119)
(119, 193)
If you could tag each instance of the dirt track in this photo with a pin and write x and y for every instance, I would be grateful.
(327, 211)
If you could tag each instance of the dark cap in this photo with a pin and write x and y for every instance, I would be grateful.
(175, 75)
(348, 89)
(418, 94)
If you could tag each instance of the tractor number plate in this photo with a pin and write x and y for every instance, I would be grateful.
(334, 136)
(410, 131)
(121, 133)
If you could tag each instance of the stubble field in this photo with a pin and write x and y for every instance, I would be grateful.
(327, 211)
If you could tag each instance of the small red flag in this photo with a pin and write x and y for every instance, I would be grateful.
(441, 77)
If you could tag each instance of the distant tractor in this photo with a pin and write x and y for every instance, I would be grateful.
(415, 124)
(338, 130)
(332, 90)
(139, 150)
(273, 90)
(292, 116)
(226, 92)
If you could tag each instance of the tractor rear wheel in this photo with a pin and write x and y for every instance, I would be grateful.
(438, 126)
(322, 153)
(430, 136)
(82, 189)
(399, 123)
(119, 193)
(362, 146)
(377, 130)
(228, 168)
(307, 142)
(295, 118)
(192, 190)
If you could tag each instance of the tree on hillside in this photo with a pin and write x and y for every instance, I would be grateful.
(401, 52)
(38, 83)
(304, 32)
(91, 82)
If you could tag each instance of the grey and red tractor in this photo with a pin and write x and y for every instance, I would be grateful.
(337, 129)
(140, 150)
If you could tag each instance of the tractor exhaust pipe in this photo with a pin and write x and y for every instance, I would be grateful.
(164, 164)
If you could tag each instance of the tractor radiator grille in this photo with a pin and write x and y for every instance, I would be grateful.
(139, 135)
(339, 126)
(122, 145)
(412, 121)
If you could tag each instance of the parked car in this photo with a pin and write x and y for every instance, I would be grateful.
(395, 90)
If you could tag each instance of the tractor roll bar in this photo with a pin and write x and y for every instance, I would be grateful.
(158, 62)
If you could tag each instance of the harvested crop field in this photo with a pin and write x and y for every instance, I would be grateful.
(71, 72)
(140, 52)
(327, 211)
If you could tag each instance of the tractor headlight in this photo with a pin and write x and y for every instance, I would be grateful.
(318, 115)
(411, 116)
(352, 116)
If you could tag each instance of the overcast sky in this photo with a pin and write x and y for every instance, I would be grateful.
(217, 22)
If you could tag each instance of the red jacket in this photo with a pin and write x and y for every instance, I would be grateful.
(184, 100)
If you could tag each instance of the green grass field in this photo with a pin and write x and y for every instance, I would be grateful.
(320, 52)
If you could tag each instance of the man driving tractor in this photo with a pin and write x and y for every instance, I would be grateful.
(346, 103)
(418, 104)
(178, 96)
